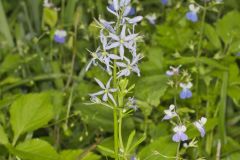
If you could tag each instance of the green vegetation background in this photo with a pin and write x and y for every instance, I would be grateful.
(44, 86)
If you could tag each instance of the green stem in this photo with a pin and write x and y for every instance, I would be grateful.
(178, 149)
(120, 131)
(115, 115)
(199, 52)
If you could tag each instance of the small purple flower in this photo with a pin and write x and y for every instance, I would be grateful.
(192, 14)
(106, 92)
(238, 54)
(179, 133)
(173, 71)
(186, 92)
(164, 2)
(170, 113)
(60, 36)
(200, 126)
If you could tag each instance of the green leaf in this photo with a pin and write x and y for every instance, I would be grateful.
(212, 36)
(229, 26)
(223, 108)
(11, 62)
(30, 112)
(50, 17)
(3, 136)
(35, 149)
(139, 141)
(4, 29)
(156, 87)
(130, 139)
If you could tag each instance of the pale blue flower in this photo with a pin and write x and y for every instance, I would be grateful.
(130, 66)
(95, 55)
(121, 41)
(106, 25)
(170, 113)
(200, 126)
(192, 14)
(186, 92)
(60, 36)
(179, 133)
(129, 11)
(106, 92)
(105, 57)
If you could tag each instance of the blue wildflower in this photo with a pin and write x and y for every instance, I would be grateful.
(164, 2)
(192, 14)
(179, 133)
(200, 126)
(170, 113)
(186, 92)
(60, 36)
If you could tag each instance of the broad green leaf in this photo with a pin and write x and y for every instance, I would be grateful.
(156, 87)
(3, 136)
(36, 149)
(30, 112)
(11, 62)
(228, 27)
(50, 17)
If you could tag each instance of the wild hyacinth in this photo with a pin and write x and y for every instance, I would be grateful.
(118, 56)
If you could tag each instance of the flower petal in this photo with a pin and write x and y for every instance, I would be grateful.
(97, 93)
(111, 97)
(100, 83)
(105, 97)
(113, 45)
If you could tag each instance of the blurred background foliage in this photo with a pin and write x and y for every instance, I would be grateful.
(44, 86)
